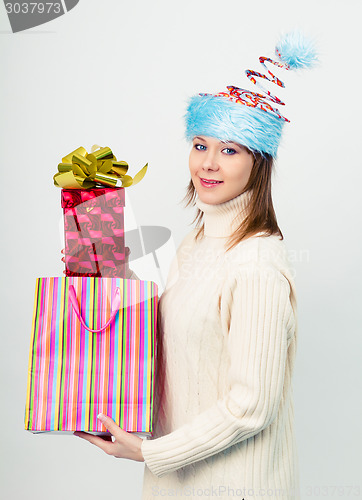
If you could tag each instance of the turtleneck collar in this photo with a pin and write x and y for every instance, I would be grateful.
(221, 220)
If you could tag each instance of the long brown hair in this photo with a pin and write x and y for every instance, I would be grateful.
(261, 215)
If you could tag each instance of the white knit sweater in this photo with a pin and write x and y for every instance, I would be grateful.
(225, 356)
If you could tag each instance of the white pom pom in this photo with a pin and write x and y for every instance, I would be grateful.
(296, 50)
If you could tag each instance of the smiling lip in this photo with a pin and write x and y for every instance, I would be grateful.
(209, 182)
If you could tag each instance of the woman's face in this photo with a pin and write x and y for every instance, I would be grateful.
(228, 163)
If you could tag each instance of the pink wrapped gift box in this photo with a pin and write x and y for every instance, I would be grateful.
(94, 232)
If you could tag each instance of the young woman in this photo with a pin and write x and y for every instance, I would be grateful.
(227, 326)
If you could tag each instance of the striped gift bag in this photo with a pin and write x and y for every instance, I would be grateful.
(92, 351)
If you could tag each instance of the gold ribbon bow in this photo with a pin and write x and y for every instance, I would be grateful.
(82, 170)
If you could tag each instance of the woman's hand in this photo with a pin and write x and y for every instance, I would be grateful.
(125, 444)
(127, 270)
(63, 258)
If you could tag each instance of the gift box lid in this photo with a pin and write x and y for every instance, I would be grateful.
(73, 197)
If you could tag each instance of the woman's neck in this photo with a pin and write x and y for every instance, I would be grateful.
(220, 221)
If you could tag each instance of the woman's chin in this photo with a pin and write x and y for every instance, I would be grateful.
(212, 198)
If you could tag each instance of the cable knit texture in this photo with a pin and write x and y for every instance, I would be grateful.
(227, 336)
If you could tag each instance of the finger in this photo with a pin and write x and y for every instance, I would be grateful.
(106, 436)
(62, 250)
(110, 425)
(129, 273)
(127, 251)
(104, 445)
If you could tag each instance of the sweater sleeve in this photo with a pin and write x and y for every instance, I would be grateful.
(257, 318)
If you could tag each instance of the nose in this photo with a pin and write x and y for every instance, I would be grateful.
(210, 161)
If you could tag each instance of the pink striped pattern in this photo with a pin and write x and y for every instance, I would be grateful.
(75, 374)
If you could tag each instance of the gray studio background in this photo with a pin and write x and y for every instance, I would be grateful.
(119, 73)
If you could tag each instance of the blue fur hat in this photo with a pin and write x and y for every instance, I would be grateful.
(246, 117)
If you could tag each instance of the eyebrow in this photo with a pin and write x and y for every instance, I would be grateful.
(222, 142)
(241, 146)
(232, 142)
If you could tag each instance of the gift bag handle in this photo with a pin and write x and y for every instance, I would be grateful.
(116, 304)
